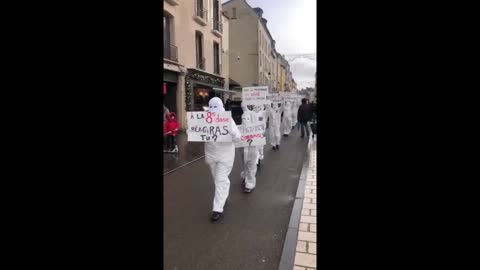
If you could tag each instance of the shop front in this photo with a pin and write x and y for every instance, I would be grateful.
(200, 87)
(170, 88)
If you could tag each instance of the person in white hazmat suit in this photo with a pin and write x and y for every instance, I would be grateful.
(274, 116)
(295, 105)
(287, 118)
(250, 155)
(260, 116)
(220, 156)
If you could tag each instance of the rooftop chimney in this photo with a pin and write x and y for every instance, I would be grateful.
(259, 11)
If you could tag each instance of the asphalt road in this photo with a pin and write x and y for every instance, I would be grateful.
(251, 233)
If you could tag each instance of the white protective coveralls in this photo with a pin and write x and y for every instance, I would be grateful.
(274, 115)
(220, 156)
(260, 116)
(287, 118)
(295, 106)
(250, 155)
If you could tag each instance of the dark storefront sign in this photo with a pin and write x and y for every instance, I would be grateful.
(170, 76)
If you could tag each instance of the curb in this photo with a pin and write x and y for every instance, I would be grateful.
(287, 260)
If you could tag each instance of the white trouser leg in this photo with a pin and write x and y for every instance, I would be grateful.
(271, 135)
(251, 171)
(277, 135)
(260, 152)
(220, 172)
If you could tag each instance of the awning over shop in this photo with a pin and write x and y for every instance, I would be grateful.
(223, 90)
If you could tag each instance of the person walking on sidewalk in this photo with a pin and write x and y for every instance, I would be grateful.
(304, 116)
(171, 129)
(219, 156)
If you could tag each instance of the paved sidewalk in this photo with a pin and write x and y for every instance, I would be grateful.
(188, 152)
(306, 251)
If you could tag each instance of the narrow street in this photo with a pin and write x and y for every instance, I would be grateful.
(252, 232)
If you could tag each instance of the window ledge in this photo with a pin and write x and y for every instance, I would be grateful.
(173, 2)
(170, 61)
(217, 33)
(200, 20)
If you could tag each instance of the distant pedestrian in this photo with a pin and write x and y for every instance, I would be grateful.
(228, 105)
(171, 129)
(304, 116)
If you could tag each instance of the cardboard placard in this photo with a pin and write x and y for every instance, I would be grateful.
(252, 135)
(256, 95)
(209, 126)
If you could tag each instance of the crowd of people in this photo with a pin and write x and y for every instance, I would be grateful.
(279, 117)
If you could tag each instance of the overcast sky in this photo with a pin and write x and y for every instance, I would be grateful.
(292, 24)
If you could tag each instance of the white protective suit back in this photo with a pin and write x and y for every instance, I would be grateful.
(250, 153)
(295, 106)
(221, 151)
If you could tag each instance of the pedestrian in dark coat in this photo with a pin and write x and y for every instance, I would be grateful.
(304, 116)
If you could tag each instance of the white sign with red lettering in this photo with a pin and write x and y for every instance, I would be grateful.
(252, 135)
(256, 95)
(209, 126)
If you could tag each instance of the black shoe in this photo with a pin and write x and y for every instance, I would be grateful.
(247, 190)
(273, 147)
(285, 135)
(258, 164)
(301, 137)
(216, 216)
(243, 182)
(278, 147)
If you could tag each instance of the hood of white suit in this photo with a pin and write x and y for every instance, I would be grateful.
(215, 105)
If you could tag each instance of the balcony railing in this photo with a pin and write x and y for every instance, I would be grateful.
(170, 52)
(201, 63)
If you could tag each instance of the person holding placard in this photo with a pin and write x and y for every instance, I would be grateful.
(219, 156)
(250, 155)
(260, 116)
(274, 115)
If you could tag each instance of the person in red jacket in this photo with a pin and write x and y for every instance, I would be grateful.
(171, 129)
